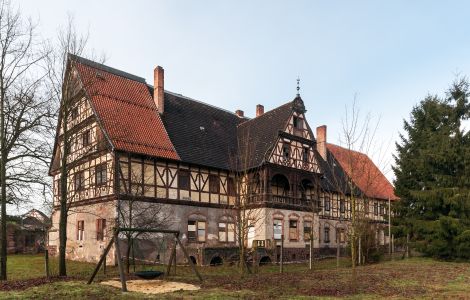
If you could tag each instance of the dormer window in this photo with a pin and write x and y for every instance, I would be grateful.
(286, 150)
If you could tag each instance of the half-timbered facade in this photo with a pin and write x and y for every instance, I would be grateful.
(135, 142)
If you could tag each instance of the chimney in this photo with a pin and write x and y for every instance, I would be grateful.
(321, 141)
(158, 88)
(259, 110)
(239, 113)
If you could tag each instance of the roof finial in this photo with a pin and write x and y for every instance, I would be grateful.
(298, 86)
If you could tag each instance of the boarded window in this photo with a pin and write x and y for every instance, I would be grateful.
(196, 231)
(214, 184)
(293, 230)
(277, 228)
(226, 232)
(307, 230)
(80, 230)
(183, 180)
(100, 229)
(101, 174)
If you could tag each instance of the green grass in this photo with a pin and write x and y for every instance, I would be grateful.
(412, 278)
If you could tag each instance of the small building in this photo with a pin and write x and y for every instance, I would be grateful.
(139, 153)
(27, 233)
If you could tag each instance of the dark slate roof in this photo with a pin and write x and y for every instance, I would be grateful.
(201, 133)
(258, 136)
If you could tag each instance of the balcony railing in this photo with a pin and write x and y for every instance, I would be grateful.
(305, 202)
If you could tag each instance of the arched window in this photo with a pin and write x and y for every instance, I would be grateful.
(280, 185)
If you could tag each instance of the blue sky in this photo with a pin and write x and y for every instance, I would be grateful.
(390, 54)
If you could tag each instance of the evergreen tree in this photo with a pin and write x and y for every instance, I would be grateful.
(432, 175)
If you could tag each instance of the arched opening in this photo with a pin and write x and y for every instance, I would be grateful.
(264, 260)
(216, 261)
(280, 185)
(193, 259)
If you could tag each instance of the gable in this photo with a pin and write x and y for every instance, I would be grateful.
(126, 111)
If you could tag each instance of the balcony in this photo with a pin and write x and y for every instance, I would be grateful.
(301, 202)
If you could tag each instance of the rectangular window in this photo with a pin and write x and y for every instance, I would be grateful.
(366, 207)
(74, 112)
(326, 233)
(183, 180)
(307, 230)
(79, 180)
(214, 184)
(286, 151)
(293, 230)
(86, 138)
(305, 155)
(196, 231)
(298, 122)
(376, 208)
(80, 230)
(382, 209)
(101, 174)
(231, 189)
(100, 229)
(226, 232)
(340, 236)
(327, 203)
(277, 228)
(342, 206)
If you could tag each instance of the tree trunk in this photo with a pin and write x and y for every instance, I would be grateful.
(62, 240)
(3, 199)
(63, 193)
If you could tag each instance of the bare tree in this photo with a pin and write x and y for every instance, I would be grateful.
(23, 109)
(135, 213)
(67, 89)
(246, 211)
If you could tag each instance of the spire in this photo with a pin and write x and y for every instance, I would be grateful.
(298, 86)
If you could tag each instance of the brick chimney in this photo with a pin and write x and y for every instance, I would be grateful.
(259, 110)
(321, 141)
(158, 88)
(239, 113)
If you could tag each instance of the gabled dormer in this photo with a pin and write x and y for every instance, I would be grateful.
(281, 136)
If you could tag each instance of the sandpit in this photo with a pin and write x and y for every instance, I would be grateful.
(154, 286)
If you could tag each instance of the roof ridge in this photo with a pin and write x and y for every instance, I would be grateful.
(352, 150)
(200, 102)
(106, 68)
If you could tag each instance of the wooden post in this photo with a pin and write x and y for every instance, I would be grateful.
(174, 259)
(282, 255)
(46, 261)
(393, 244)
(104, 265)
(310, 266)
(189, 260)
(407, 251)
(122, 276)
(170, 262)
(102, 259)
(359, 258)
(389, 229)
(337, 248)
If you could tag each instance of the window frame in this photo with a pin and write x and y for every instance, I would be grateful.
(197, 237)
(281, 225)
(80, 178)
(86, 138)
(80, 230)
(228, 230)
(187, 176)
(293, 230)
(214, 184)
(286, 150)
(308, 233)
(99, 169)
(326, 235)
(100, 229)
(327, 200)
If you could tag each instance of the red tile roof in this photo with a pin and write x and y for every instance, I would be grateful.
(363, 172)
(127, 112)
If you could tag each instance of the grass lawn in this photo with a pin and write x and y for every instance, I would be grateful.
(413, 278)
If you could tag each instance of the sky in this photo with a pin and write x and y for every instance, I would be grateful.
(387, 55)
